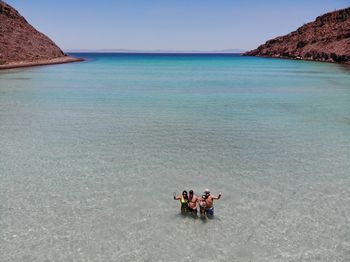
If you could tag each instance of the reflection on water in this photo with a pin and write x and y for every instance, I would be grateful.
(344, 66)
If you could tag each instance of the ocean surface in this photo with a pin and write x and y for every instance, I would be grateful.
(91, 153)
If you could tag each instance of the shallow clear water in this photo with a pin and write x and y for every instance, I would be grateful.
(92, 152)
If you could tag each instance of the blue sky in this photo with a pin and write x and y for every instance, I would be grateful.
(169, 24)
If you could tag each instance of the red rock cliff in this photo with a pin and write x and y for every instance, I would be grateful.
(21, 42)
(325, 39)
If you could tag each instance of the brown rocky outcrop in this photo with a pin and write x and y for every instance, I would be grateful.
(325, 39)
(22, 45)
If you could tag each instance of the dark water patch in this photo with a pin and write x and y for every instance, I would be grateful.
(304, 72)
(20, 78)
(344, 120)
(344, 67)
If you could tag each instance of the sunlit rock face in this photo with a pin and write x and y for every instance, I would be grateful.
(21, 42)
(325, 39)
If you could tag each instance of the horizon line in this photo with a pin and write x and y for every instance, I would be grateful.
(108, 50)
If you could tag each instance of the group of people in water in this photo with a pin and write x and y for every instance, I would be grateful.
(190, 203)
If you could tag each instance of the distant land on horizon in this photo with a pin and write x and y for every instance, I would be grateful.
(224, 51)
(326, 39)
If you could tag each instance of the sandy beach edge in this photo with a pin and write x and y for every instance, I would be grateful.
(54, 61)
(297, 59)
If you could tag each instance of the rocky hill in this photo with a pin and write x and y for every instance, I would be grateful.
(325, 39)
(22, 45)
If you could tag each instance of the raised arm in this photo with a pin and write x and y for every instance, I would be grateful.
(216, 197)
(177, 197)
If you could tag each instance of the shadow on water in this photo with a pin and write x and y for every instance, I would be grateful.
(197, 216)
(20, 78)
(344, 67)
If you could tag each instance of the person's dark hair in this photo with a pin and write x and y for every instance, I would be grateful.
(185, 192)
(190, 192)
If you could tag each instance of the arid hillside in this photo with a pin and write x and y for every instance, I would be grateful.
(22, 45)
(325, 39)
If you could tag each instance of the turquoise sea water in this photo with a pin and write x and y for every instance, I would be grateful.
(92, 152)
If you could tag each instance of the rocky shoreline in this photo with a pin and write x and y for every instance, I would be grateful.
(327, 39)
(318, 58)
(21, 45)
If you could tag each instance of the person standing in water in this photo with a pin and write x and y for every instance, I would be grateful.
(183, 200)
(192, 202)
(202, 205)
(209, 201)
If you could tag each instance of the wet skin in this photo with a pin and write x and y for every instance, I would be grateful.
(192, 201)
(210, 199)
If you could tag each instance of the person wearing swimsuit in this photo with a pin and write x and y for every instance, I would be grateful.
(202, 205)
(209, 209)
(183, 200)
(192, 202)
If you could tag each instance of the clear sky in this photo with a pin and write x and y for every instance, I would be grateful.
(169, 24)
